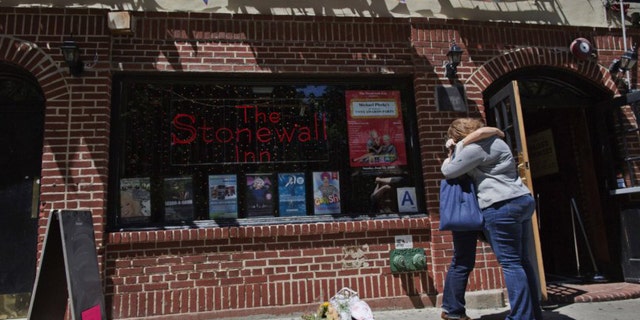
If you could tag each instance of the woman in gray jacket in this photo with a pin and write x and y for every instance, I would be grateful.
(507, 207)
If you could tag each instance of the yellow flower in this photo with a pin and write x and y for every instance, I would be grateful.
(332, 313)
(322, 310)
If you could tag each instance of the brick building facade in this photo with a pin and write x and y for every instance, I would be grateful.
(277, 266)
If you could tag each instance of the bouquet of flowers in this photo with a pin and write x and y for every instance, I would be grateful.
(321, 313)
(341, 301)
(345, 305)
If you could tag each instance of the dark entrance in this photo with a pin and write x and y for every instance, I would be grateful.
(21, 138)
(565, 129)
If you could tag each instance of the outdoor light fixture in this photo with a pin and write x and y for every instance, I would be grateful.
(71, 54)
(626, 62)
(454, 55)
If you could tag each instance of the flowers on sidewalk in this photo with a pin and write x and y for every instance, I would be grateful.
(345, 305)
(321, 313)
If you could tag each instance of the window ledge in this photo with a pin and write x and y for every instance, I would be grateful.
(267, 227)
(625, 190)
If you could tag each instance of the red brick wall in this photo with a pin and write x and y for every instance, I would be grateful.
(77, 111)
(264, 269)
(281, 268)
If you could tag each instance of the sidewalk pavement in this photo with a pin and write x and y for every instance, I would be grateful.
(604, 310)
(567, 301)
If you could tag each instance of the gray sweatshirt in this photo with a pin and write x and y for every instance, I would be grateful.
(491, 165)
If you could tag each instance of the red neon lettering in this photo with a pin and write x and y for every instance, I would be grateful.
(245, 116)
(264, 134)
(187, 127)
(259, 116)
(282, 135)
(205, 129)
(224, 135)
(304, 135)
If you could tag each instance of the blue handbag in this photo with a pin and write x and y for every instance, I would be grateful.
(459, 210)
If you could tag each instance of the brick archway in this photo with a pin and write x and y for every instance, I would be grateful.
(40, 64)
(590, 71)
(499, 66)
(55, 88)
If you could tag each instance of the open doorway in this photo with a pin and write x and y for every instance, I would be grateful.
(21, 138)
(565, 128)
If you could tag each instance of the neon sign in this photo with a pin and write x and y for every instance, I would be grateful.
(246, 134)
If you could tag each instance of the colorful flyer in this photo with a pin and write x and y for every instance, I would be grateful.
(259, 195)
(223, 197)
(326, 192)
(375, 129)
(292, 195)
(135, 199)
(178, 199)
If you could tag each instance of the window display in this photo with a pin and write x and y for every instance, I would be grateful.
(234, 150)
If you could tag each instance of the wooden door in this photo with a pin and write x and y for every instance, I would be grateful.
(506, 110)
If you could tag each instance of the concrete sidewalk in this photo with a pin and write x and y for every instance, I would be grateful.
(620, 310)
(567, 301)
(605, 310)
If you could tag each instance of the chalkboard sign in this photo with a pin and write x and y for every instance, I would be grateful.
(69, 267)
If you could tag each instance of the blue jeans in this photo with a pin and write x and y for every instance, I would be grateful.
(455, 284)
(509, 230)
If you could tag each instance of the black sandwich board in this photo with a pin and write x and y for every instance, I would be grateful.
(68, 268)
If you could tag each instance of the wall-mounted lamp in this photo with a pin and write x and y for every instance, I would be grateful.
(71, 54)
(626, 62)
(454, 55)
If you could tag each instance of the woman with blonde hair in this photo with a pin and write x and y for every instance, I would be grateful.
(507, 207)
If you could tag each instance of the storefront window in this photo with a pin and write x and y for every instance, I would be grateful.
(244, 151)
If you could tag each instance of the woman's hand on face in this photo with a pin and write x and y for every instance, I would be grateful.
(450, 144)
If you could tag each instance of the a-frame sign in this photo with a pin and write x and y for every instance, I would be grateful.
(68, 268)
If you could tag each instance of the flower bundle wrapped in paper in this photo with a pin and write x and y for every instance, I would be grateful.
(345, 305)
(349, 306)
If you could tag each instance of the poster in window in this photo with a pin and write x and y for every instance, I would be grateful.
(178, 199)
(135, 200)
(375, 129)
(326, 192)
(291, 194)
(223, 196)
(259, 195)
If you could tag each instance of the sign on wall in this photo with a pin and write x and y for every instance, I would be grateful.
(451, 98)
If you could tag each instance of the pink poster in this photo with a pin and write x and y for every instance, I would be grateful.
(376, 132)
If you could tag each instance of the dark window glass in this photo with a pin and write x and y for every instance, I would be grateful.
(232, 152)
